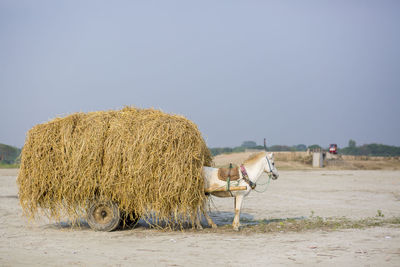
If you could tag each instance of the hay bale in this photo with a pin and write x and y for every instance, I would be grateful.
(146, 161)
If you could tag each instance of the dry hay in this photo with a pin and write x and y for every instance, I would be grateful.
(145, 160)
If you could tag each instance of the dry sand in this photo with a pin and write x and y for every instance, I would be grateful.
(326, 193)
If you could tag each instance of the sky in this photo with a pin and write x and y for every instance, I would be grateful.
(294, 72)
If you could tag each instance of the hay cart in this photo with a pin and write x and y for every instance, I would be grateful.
(114, 166)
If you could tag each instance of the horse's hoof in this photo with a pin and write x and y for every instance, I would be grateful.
(214, 226)
(199, 227)
(236, 228)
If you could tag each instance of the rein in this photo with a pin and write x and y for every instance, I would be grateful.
(267, 183)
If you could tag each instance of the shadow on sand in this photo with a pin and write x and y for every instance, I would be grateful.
(220, 218)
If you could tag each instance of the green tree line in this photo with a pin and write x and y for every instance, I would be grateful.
(9, 154)
(351, 149)
(370, 150)
(252, 145)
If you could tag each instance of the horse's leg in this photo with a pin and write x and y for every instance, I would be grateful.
(238, 206)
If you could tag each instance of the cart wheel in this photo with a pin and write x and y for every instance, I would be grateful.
(103, 216)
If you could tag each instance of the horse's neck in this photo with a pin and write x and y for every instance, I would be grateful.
(255, 170)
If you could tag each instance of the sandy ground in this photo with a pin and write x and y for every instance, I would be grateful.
(354, 194)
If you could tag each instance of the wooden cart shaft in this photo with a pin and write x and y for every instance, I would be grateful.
(224, 189)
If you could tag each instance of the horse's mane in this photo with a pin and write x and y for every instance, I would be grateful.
(255, 157)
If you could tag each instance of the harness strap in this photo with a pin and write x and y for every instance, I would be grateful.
(228, 182)
(246, 177)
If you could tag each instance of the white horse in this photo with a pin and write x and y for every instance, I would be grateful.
(249, 172)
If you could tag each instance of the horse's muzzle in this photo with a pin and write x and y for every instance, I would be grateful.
(275, 176)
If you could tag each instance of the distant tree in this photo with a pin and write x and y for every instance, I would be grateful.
(352, 143)
(301, 147)
(220, 150)
(372, 150)
(239, 149)
(249, 144)
(281, 148)
(8, 154)
(259, 147)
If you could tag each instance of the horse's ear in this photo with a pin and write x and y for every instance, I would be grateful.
(271, 155)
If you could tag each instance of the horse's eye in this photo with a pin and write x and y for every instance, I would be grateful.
(273, 163)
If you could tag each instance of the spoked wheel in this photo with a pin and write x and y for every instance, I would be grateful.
(103, 216)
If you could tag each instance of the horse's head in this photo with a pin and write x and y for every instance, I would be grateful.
(270, 166)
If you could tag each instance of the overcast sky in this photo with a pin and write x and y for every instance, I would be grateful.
(295, 72)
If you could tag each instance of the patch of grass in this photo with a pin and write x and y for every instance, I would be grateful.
(9, 166)
(302, 224)
(318, 223)
(379, 214)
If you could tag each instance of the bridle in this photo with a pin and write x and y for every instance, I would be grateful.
(270, 173)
